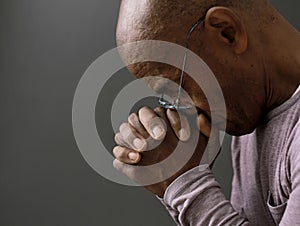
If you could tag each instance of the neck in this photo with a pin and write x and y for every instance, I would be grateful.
(281, 63)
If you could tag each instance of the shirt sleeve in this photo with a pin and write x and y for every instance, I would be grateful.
(195, 198)
(291, 214)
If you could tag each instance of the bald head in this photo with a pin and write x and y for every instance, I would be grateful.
(156, 19)
(236, 40)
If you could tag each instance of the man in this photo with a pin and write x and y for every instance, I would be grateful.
(255, 55)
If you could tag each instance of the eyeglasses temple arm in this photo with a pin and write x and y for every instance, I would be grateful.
(184, 60)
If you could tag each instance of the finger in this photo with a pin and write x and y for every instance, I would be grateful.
(119, 140)
(213, 146)
(179, 124)
(136, 144)
(152, 123)
(119, 165)
(204, 125)
(161, 112)
(126, 155)
(129, 170)
(140, 175)
(132, 138)
(134, 121)
(123, 168)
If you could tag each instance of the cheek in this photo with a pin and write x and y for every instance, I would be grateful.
(171, 73)
(196, 94)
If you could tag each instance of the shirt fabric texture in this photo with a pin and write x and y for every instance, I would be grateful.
(266, 181)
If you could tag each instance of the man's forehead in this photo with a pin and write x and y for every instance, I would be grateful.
(157, 19)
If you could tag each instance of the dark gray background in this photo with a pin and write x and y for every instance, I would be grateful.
(46, 45)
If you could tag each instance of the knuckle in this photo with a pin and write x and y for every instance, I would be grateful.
(117, 138)
(120, 166)
(129, 136)
(118, 152)
(126, 132)
(132, 117)
(159, 110)
(140, 112)
(116, 164)
(123, 126)
(144, 109)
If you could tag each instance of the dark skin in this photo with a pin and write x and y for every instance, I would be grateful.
(137, 127)
(237, 47)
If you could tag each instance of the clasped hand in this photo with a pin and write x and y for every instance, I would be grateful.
(151, 136)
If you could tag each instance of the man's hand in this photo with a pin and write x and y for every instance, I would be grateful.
(151, 136)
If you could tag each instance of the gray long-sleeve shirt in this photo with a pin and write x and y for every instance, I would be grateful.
(266, 182)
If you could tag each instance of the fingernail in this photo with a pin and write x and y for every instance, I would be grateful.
(133, 156)
(157, 132)
(183, 134)
(138, 143)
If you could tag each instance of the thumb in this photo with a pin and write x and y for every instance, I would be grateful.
(203, 125)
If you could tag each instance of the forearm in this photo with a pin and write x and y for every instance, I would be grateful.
(195, 198)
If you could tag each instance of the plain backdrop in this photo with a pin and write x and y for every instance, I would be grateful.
(45, 47)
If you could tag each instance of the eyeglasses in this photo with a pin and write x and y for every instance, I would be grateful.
(176, 104)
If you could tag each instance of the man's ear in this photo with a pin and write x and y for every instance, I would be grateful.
(228, 28)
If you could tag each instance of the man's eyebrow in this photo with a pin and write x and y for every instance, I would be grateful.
(153, 82)
(162, 85)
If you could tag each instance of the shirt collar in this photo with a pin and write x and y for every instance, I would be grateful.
(297, 91)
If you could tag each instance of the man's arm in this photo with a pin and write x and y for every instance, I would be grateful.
(195, 198)
(192, 195)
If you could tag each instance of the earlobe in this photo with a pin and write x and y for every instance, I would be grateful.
(228, 28)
